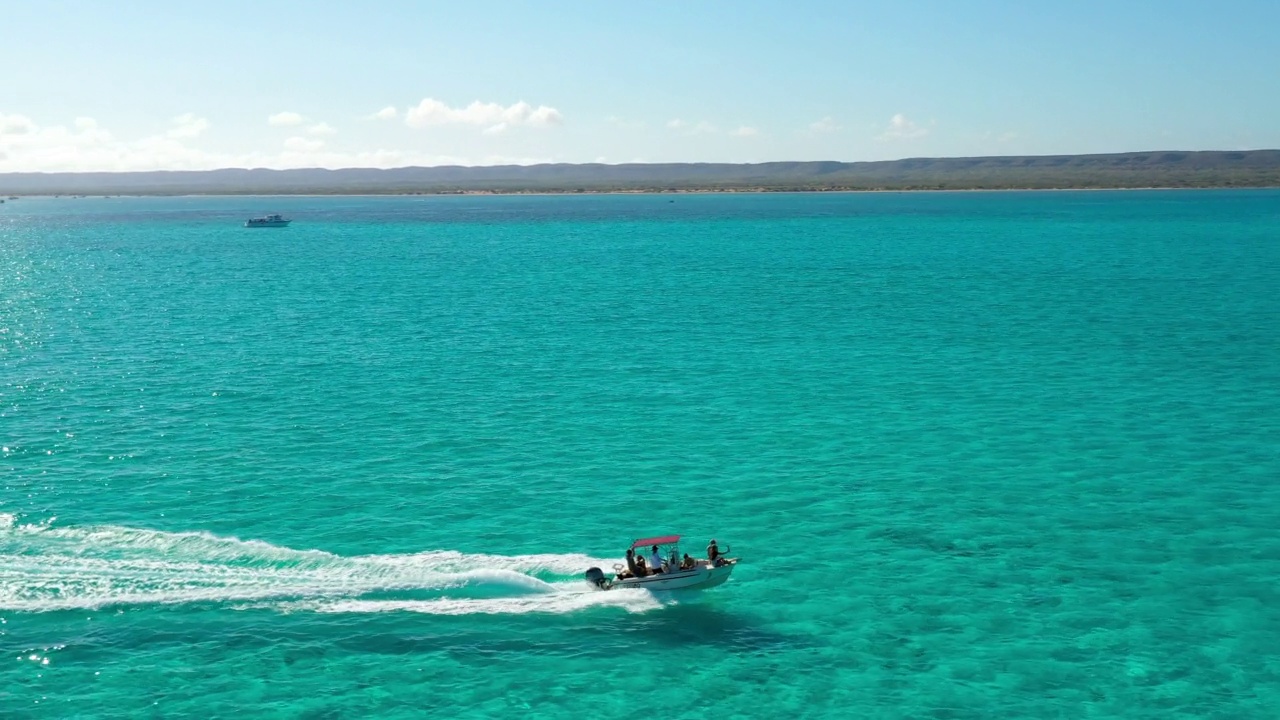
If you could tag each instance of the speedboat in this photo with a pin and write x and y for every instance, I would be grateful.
(673, 575)
(267, 221)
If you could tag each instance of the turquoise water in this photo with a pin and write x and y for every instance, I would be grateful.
(983, 455)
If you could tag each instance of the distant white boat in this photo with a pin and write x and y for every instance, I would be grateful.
(268, 221)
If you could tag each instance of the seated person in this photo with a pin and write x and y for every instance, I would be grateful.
(641, 570)
(631, 566)
(687, 563)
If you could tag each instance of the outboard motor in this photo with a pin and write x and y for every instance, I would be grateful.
(596, 577)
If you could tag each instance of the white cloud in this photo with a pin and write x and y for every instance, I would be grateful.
(322, 129)
(301, 144)
(496, 118)
(745, 131)
(545, 116)
(188, 126)
(35, 148)
(84, 146)
(285, 119)
(676, 124)
(825, 125)
(15, 124)
(900, 128)
(386, 113)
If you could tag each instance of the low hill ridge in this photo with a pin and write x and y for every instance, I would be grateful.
(1251, 168)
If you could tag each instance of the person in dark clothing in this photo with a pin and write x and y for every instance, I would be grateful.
(713, 554)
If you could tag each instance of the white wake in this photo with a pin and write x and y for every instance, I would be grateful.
(44, 567)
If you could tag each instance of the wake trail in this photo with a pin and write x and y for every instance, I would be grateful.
(47, 568)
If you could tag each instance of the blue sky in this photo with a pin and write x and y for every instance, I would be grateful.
(140, 85)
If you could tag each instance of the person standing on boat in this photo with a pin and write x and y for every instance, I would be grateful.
(655, 560)
(713, 553)
(632, 570)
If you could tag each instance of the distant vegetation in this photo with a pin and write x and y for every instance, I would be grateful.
(1210, 169)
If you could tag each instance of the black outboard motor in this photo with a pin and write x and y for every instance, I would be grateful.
(596, 577)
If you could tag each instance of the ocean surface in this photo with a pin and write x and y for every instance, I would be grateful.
(983, 455)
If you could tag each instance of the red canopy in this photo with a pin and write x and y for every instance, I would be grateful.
(664, 540)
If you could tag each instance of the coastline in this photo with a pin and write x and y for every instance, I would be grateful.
(654, 192)
(1203, 169)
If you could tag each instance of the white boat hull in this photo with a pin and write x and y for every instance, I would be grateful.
(701, 577)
